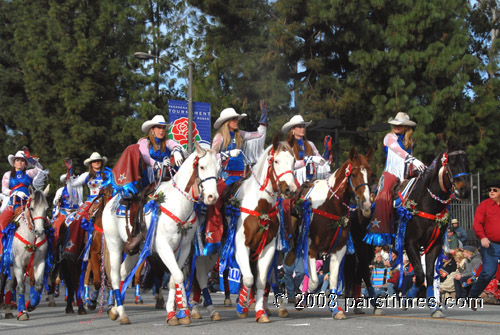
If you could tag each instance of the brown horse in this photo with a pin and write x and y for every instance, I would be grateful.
(325, 218)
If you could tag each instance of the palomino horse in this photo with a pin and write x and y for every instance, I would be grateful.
(258, 224)
(327, 228)
(196, 179)
(445, 179)
(29, 249)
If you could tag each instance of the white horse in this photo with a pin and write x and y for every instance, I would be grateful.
(196, 178)
(258, 224)
(29, 249)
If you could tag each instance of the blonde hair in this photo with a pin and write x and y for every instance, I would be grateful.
(292, 141)
(226, 136)
(459, 258)
(152, 141)
(408, 138)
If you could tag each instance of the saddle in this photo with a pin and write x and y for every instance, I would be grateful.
(134, 215)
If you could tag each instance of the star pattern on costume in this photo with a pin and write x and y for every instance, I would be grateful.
(122, 177)
(376, 223)
(70, 245)
(209, 235)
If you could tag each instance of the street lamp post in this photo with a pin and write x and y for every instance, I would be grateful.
(144, 55)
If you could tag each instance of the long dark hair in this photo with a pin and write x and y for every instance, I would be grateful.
(292, 141)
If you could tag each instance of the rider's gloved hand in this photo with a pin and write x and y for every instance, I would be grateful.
(415, 162)
(235, 152)
(158, 165)
(264, 114)
(318, 160)
(69, 166)
(178, 158)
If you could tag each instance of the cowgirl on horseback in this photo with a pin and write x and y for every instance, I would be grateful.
(16, 183)
(400, 163)
(96, 178)
(229, 142)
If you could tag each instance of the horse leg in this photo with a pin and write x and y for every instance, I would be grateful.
(137, 281)
(242, 255)
(52, 286)
(22, 314)
(8, 297)
(38, 273)
(263, 264)
(176, 284)
(335, 261)
(432, 298)
(115, 247)
(203, 267)
(414, 257)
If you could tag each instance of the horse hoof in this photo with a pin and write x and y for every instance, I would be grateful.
(138, 300)
(9, 316)
(283, 313)
(160, 304)
(124, 320)
(82, 311)
(30, 308)
(52, 304)
(113, 314)
(196, 315)
(340, 316)
(23, 316)
(185, 321)
(92, 305)
(242, 315)
(358, 311)
(228, 302)
(173, 321)
(378, 311)
(263, 319)
(437, 314)
(404, 308)
(214, 317)
(69, 310)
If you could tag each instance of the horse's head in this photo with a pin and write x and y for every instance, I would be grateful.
(359, 175)
(454, 161)
(207, 171)
(36, 210)
(282, 159)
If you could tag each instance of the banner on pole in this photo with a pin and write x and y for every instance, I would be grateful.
(178, 119)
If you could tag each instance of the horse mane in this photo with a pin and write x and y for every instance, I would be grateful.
(261, 162)
(425, 178)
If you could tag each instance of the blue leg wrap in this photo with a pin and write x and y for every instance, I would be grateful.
(137, 290)
(86, 293)
(412, 293)
(111, 297)
(239, 308)
(118, 298)
(207, 297)
(181, 314)
(34, 298)
(21, 304)
(332, 301)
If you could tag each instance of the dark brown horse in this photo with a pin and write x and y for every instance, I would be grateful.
(447, 177)
(325, 217)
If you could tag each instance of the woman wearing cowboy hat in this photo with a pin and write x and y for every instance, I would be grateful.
(307, 157)
(399, 163)
(228, 142)
(155, 147)
(16, 183)
(96, 178)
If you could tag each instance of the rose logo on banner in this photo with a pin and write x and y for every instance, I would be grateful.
(179, 132)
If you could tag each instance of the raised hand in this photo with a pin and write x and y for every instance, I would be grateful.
(69, 166)
(264, 114)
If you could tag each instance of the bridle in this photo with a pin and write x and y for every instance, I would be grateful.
(29, 219)
(445, 168)
(272, 176)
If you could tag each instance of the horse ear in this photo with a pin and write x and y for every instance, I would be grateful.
(369, 154)
(353, 154)
(199, 149)
(276, 141)
(46, 191)
(31, 189)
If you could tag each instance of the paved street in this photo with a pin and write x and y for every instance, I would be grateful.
(147, 320)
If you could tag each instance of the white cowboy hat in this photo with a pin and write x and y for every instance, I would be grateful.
(402, 119)
(19, 154)
(157, 120)
(95, 157)
(294, 121)
(63, 178)
(227, 114)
